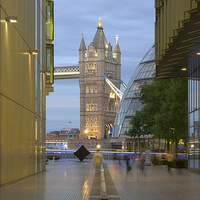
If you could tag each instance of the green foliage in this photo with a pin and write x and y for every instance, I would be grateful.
(179, 163)
(138, 125)
(160, 162)
(165, 113)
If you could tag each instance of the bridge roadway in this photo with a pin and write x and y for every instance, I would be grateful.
(70, 179)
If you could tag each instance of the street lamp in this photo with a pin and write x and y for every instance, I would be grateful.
(86, 132)
(98, 146)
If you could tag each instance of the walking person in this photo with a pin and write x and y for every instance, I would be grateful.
(142, 160)
(98, 160)
(169, 159)
(128, 166)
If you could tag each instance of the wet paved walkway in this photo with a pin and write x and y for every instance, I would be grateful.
(70, 179)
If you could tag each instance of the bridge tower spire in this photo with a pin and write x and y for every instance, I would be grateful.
(98, 103)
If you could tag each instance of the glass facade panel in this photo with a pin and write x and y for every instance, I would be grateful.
(49, 20)
(130, 101)
(194, 113)
(50, 64)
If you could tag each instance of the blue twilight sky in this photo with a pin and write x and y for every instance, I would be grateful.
(132, 20)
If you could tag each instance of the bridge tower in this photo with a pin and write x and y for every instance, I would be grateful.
(98, 103)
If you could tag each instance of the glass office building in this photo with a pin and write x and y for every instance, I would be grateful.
(130, 101)
(194, 113)
(23, 87)
(177, 55)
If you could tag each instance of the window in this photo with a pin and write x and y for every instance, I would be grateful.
(106, 54)
(90, 66)
(95, 106)
(95, 124)
(87, 120)
(87, 107)
(96, 53)
(49, 20)
(95, 119)
(114, 56)
(87, 89)
(91, 107)
(95, 89)
(50, 63)
(91, 89)
(86, 66)
(94, 66)
(91, 122)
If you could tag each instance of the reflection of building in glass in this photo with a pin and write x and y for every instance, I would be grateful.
(130, 101)
(177, 55)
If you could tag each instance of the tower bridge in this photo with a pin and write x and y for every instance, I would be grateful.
(99, 73)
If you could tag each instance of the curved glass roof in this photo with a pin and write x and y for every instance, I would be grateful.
(130, 101)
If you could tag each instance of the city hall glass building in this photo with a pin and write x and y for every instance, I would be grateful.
(26, 76)
(130, 101)
(177, 50)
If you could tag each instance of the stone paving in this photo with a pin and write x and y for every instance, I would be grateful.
(70, 179)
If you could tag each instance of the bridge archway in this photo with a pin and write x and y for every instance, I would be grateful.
(109, 129)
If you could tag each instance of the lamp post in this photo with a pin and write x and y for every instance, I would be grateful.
(172, 143)
(65, 149)
(69, 129)
(86, 131)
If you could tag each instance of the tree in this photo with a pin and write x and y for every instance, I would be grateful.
(164, 113)
(174, 113)
(138, 126)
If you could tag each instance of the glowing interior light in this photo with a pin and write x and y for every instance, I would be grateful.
(183, 69)
(12, 19)
(112, 95)
(34, 52)
(198, 53)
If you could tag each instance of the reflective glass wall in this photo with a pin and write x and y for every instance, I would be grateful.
(130, 101)
(49, 20)
(194, 113)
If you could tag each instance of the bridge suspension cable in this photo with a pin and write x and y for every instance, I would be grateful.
(122, 82)
(113, 87)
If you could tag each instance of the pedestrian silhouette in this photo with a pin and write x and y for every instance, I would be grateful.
(98, 159)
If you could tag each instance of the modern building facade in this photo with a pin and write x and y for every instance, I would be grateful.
(177, 47)
(23, 82)
(98, 103)
(130, 102)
